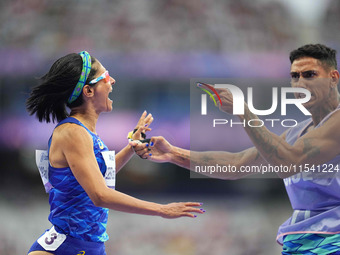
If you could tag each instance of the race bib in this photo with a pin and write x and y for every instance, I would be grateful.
(51, 240)
(41, 159)
(110, 174)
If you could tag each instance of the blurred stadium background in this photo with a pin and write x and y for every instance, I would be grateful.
(152, 48)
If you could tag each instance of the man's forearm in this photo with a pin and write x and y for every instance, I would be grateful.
(201, 162)
(273, 148)
(265, 141)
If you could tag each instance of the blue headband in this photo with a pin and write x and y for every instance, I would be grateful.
(83, 77)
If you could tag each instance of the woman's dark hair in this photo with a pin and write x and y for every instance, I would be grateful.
(49, 99)
(324, 54)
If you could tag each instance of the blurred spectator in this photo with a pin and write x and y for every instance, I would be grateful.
(169, 25)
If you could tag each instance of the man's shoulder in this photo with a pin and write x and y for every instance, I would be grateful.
(304, 122)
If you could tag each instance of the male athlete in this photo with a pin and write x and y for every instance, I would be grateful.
(314, 227)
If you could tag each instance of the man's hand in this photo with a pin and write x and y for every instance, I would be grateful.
(227, 100)
(158, 150)
(222, 97)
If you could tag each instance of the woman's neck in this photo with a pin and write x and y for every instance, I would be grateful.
(89, 119)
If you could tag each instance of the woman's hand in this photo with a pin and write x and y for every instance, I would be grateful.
(182, 209)
(142, 126)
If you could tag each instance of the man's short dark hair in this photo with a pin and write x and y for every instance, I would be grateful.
(324, 54)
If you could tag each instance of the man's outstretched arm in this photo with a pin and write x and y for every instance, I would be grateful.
(163, 151)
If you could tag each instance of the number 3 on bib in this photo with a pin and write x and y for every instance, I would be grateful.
(51, 240)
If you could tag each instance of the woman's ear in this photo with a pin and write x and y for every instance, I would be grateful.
(88, 91)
